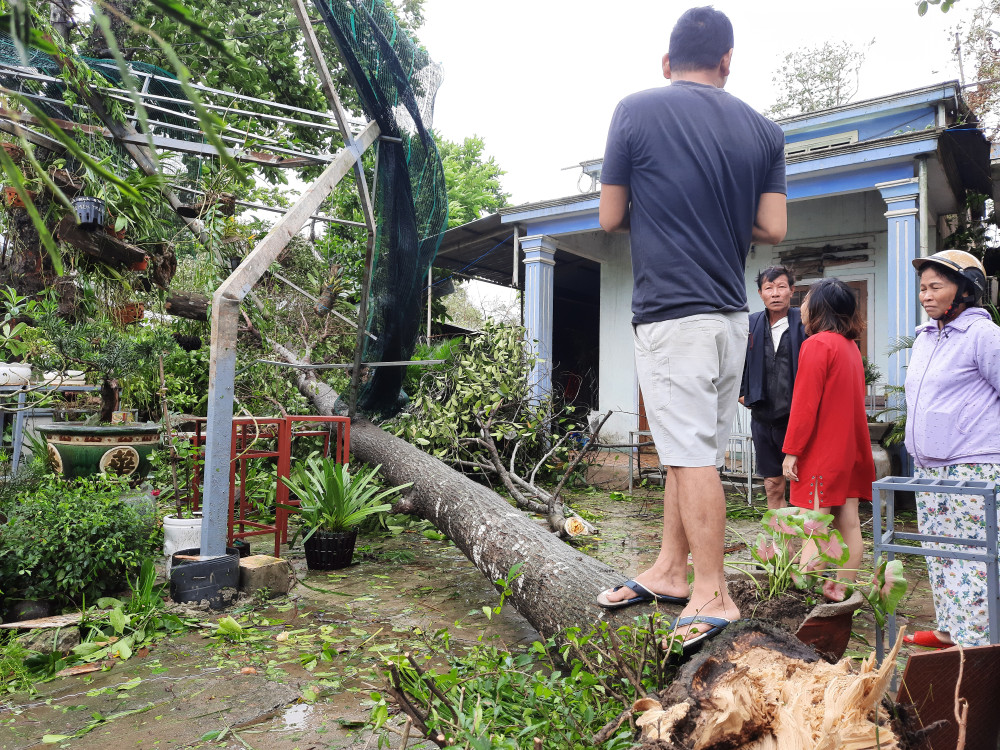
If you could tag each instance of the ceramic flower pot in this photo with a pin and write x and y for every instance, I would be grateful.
(14, 374)
(82, 450)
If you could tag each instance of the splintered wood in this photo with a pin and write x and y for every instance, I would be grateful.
(752, 692)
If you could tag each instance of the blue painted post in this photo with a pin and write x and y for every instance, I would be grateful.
(539, 275)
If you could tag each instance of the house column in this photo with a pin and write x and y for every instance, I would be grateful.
(901, 198)
(539, 275)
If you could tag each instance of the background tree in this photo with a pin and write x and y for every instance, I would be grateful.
(474, 188)
(979, 44)
(812, 78)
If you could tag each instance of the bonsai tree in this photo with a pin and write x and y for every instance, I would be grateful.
(101, 347)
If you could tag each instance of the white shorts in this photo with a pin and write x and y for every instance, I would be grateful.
(689, 372)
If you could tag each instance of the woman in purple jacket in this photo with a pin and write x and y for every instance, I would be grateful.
(953, 432)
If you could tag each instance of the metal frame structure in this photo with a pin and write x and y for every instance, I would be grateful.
(885, 543)
(230, 294)
(246, 433)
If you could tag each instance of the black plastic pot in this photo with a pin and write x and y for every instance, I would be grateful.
(90, 212)
(330, 550)
(242, 546)
(196, 580)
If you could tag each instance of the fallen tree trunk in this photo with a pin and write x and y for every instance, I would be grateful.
(556, 584)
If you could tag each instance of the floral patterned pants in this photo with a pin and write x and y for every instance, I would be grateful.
(959, 586)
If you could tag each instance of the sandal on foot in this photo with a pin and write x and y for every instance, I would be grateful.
(715, 626)
(642, 596)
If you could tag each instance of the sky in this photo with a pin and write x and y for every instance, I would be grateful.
(539, 80)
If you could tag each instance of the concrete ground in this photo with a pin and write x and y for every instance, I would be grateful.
(302, 677)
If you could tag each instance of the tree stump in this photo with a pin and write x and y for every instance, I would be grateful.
(757, 687)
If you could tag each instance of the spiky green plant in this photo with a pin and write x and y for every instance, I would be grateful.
(331, 499)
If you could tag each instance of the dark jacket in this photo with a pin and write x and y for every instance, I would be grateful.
(753, 389)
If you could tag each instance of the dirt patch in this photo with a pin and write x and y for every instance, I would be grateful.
(790, 607)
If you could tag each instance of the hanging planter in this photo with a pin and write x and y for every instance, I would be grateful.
(90, 212)
(15, 152)
(13, 200)
(128, 314)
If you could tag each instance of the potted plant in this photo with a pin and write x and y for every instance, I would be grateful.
(111, 355)
(332, 504)
(778, 553)
(16, 335)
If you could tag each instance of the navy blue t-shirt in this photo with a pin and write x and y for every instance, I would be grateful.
(696, 161)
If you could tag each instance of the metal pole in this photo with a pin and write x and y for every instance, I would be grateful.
(516, 278)
(222, 364)
(430, 298)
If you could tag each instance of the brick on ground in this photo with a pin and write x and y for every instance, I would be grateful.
(265, 572)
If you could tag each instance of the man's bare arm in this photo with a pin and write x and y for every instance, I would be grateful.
(613, 211)
(771, 223)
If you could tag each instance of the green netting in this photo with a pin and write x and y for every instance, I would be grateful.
(396, 81)
(49, 95)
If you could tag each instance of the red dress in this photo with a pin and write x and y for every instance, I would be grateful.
(828, 426)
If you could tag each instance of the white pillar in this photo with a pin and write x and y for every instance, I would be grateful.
(539, 275)
(901, 198)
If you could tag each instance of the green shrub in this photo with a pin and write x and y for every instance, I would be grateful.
(70, 541)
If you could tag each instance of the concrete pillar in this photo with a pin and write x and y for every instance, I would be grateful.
(539, 275)
(901, 198)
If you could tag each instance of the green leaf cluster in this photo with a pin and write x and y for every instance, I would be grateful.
(563, 690)
(72, 540)
(474, 188)
(485, 378)
(781, 550)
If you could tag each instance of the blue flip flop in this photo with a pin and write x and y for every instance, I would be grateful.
(642, 596)
(715, 626)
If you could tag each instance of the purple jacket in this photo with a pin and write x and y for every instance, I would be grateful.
(953, 392)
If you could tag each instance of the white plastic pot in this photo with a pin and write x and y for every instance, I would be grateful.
(14, 374)
(180, 533)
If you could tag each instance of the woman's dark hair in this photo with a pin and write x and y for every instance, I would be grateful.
(699, 39)
(772, 274)
(832, 306)
(966, 291)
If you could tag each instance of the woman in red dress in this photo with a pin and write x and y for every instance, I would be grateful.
(828, 455)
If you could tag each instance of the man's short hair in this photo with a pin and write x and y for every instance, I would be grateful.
(773, 273)
(699, 39)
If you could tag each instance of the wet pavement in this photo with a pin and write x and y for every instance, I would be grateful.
(303, 673)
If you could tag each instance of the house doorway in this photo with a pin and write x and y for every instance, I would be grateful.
(860, 289)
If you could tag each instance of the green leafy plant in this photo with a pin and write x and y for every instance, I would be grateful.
(70, 541)
(331, 499)
(484, 380)
(101, 347)
(779, 549)
(566, 689)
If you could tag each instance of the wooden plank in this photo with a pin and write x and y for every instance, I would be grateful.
(98, 244)
(42, 623)
(242, 280)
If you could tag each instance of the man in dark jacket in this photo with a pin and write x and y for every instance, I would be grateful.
(772, 360)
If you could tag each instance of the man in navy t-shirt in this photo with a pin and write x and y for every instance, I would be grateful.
(695, 175)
